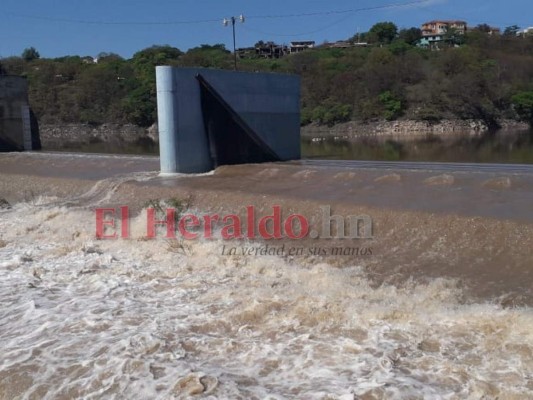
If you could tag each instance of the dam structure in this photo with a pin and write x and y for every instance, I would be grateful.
(18, 130)
(208, 118)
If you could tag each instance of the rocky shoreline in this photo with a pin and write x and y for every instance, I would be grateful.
(405, 129)
(54, 136)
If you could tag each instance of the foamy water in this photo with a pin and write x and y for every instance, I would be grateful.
(141, 319)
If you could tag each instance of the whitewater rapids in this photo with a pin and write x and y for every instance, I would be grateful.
(139, 319)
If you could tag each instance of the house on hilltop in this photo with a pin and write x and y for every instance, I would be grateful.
(271, 50)
(296, 47)
(440, 27)
(263, 50)
(434, 32)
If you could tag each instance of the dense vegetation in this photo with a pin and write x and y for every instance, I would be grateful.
(487, 77)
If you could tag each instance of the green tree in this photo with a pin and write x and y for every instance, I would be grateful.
(157, 55)
(330, 112)
(108, 57)
(359, 37)
(392, 105)
(523, 105)
(30, 54)
(146, 60)
(483, 28)
(100, 89)
(410, 36)
(399, 47)
(453, 37)
(511, 30)
(383, 32)
(208, 56)
(140, 103)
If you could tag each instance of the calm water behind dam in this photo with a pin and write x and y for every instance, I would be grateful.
(500, 147)
(493, 147)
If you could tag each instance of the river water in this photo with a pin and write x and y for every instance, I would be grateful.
(491, 147)
(140, 319)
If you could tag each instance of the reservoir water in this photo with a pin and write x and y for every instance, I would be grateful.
(491, 147)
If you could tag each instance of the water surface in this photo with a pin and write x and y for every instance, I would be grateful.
(495, 147)
(498, 147)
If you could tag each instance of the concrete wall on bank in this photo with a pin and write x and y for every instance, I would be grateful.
(264, 108)
(16, 121)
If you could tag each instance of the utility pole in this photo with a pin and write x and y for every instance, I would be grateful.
(226, 21)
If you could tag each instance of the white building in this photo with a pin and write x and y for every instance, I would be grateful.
(296, 47)
(527, 31)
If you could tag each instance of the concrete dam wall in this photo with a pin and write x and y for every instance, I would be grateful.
(209, 118)
(18, 127)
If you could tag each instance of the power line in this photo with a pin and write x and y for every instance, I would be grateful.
(336, 12)
(193, 22)
(336, 22)
(323, 28)
(438, 14)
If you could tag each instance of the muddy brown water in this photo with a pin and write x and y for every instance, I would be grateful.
(441, 308)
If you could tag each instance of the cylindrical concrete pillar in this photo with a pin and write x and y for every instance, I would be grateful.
(167, 119)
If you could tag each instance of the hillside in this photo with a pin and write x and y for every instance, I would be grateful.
(488, 78)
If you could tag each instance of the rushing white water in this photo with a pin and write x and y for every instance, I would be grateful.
(141, 319)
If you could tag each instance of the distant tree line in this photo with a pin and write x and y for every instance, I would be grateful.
(489, 77)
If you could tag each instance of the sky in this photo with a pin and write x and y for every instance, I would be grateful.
(88, 27)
